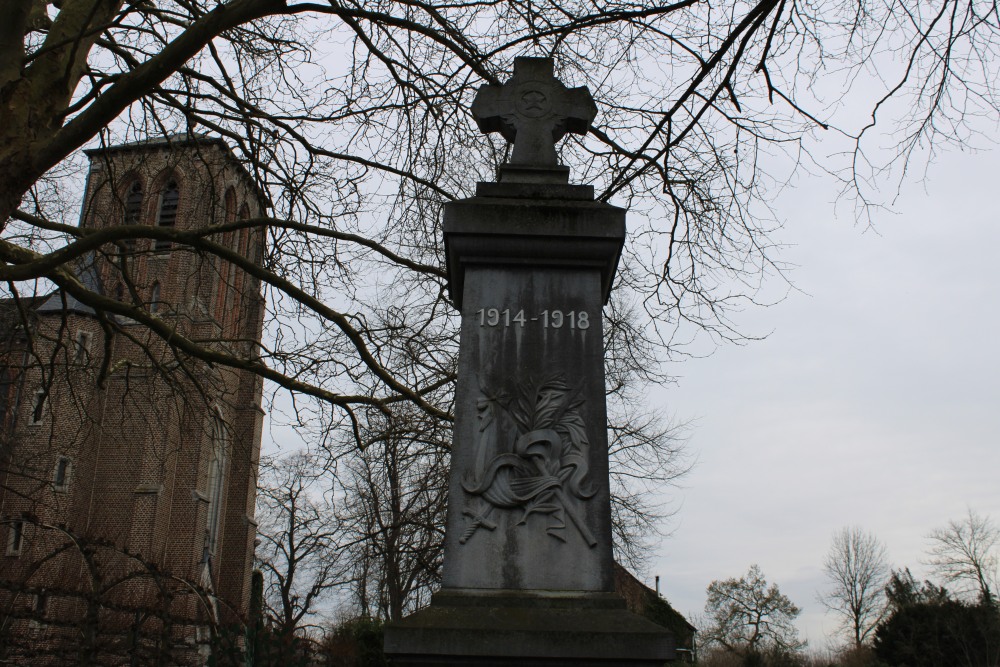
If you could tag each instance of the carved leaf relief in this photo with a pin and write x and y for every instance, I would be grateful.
(532, 456)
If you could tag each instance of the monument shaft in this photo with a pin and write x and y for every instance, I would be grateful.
(529, 479)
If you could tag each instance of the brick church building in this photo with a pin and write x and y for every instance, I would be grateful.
(128, 469)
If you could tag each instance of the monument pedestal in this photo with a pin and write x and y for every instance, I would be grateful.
(505, 628)
(528, 578)
(528, 573)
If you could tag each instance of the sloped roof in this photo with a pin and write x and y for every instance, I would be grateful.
(183, 140)
(643, 600)
(88, 275)
(177, 139)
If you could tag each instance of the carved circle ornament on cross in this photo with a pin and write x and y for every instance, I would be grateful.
(532, 100)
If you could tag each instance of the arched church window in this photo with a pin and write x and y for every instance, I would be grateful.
(7, 387)
(245, 232)
(216, 481)
(167, 215)
(154, 298)
(133, 212)
(133, 204)
(230, 205)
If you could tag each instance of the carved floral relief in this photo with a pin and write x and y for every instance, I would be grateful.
(531, 457)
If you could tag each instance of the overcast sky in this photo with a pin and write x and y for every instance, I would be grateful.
(874, 401)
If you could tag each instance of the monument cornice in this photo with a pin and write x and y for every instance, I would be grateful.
(550, 233)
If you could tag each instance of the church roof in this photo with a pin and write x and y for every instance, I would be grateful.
(89, 277)
(183, 140)
(175, 140)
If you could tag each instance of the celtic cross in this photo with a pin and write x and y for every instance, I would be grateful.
(533, 111)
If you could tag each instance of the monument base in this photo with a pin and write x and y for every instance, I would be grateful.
(503, 628)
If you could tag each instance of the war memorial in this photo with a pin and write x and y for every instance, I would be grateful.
(528, 560)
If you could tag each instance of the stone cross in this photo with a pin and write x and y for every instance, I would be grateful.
(533, 111)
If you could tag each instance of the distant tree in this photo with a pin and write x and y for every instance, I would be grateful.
(928, 628)
(966, 552)
(356, 642)
(857, 570)
(849, 656)
(717, 656)
(299, 553)
(394, 512)
(903, 590)
(751, 619)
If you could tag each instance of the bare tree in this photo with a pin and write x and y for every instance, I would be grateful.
(300, 551)
(856, 567)
(747, 616)
(397, 491)
(965, 552)
(96, 604)
(647, 458)
(359, 151)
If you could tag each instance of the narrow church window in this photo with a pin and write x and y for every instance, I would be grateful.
(133, 212)
(15, 538)
(154, 298)
(167, 216)
(81, 347)
(41, 604)
(216, 480)
(60, 478)
(237, 278)
(38, 405)
(230, 205)
(6, 389)
(133, 204)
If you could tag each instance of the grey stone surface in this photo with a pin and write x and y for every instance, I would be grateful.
(529, 506)
(534, 191)
(526, 229)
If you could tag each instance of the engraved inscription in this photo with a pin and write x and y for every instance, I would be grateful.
(532, 456)
(555, 319)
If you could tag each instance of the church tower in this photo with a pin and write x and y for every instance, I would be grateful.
(129, 467)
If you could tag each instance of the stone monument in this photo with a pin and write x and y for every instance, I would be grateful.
(528, 560)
